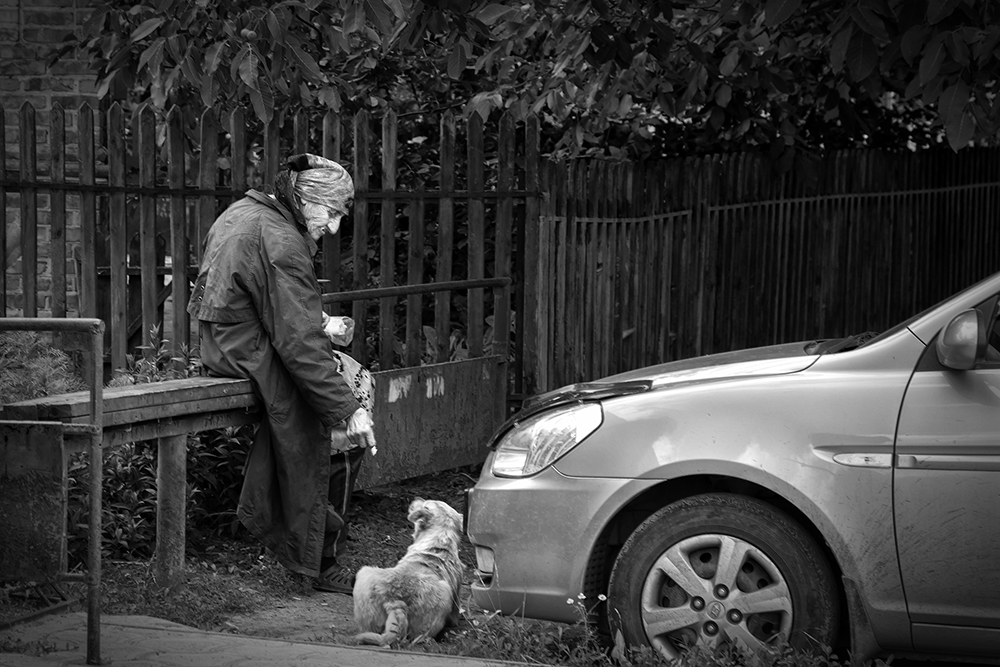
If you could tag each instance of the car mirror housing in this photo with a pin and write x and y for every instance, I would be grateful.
(962, 344)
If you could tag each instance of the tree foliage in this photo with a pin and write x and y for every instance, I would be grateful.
(632, 77)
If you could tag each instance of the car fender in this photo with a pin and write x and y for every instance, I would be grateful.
(793, 443)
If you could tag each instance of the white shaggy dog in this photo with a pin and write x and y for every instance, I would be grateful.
(419, 596)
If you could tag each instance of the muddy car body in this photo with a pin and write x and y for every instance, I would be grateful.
(842, 492)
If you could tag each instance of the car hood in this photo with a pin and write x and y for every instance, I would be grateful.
(771, 360)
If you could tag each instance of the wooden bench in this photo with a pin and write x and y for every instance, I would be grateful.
(36, 436)
(163, 411)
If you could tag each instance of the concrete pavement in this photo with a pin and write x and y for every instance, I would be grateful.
(141, 641)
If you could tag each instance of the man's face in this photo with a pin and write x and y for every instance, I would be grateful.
(321, 219)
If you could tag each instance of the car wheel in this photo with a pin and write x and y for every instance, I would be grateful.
(719, 569)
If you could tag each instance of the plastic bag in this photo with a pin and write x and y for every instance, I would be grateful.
(362, 385)
(339, 329)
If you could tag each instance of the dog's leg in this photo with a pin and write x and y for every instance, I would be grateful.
(396, 626)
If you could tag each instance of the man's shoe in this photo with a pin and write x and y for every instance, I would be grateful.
(335, 579)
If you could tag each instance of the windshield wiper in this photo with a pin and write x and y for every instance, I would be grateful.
(834, 345)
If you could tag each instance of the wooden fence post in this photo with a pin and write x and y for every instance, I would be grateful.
(179, 248)
(537, 284)
(333, 137)
(502, 247)
(29, 213)
(446, 236)
(362, 172)
(4, 257)
(57, 210)
(118, 238)
(387, 249)
(145, 149)
(474, 138)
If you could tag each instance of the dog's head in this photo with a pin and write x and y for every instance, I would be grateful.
(433, 514)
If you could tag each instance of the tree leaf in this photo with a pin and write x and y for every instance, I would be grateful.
(457, 61)
(913, 41)
(481, 103)
(778, 11)
(153, 56)
(931, 63)
(380, 16)
(248, 69)
(729, 63)
(208, 90)
(862, 56)
(306, 63)
(868, 21)
(838, 48)
(953, 100)
(95, 22)
(724, 95)
(397, 9)
(960, 131)
(493, 12)
(274, 26)
(354, 19)
(913, 88)
(939, 10)
(146, 28)
(957, 47)
(213, 57)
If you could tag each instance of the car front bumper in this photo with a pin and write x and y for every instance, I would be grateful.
(541, 531)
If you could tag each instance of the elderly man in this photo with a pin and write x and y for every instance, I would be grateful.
(261, 318)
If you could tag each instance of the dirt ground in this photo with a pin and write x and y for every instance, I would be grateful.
(379, 535)
(317, 617)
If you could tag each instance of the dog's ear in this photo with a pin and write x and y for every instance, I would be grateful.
(418, 514)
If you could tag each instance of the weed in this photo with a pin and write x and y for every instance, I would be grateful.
(35, 648)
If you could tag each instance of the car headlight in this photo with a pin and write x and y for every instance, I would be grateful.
(541, 439)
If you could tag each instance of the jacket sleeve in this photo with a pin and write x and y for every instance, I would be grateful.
(293, 319)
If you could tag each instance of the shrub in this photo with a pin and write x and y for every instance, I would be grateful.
(215, 461)
(31, 366)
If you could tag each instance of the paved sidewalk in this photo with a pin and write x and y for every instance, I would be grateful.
(149, 642)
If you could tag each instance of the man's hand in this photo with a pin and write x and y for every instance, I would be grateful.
(359, 429)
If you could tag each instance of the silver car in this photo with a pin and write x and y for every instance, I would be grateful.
(844, 493)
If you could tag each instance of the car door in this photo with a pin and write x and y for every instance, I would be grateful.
(947, 502)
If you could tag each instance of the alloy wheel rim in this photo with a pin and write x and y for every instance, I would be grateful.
(711, 590)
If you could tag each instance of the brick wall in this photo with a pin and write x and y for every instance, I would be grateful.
(29, 31)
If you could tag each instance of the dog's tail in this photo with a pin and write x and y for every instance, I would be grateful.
(396, 626)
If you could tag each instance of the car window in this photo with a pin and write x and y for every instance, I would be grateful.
(989, 310)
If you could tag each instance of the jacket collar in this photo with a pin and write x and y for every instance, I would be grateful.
(268, 200)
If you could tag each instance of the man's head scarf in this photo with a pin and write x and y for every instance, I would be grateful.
(311, 179)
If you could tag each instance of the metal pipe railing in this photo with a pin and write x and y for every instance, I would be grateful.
(95, 328)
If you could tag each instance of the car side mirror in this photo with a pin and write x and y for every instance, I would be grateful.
(962, 344)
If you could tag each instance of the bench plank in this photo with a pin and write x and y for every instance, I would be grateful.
(154, 412)
(75, 407)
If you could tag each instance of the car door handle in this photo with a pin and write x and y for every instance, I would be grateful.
(948, 462)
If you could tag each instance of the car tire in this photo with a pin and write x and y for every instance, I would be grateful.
(667, 588)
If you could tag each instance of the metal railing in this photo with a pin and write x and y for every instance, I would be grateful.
(94, 351)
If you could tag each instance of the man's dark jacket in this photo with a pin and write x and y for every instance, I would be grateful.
(260, 309)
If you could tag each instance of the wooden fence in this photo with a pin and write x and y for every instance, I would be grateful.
(614, 266)
(144, 204)
(658, 262)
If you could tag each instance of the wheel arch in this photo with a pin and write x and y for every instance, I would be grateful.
(643, 505)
